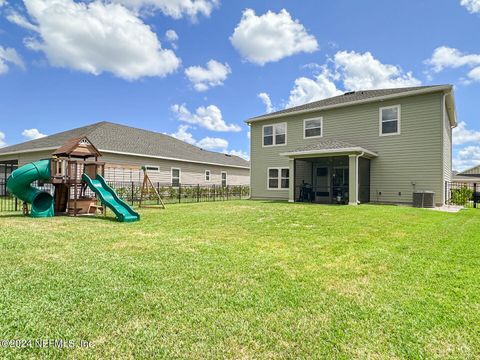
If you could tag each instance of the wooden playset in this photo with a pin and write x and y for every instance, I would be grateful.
(149, 190)
(68, 164)
(78, 179)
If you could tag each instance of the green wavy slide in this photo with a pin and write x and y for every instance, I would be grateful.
(18, 183)
(109, 197)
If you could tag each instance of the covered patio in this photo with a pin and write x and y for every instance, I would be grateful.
(330, 172)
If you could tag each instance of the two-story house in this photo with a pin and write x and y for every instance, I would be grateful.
(363, 146)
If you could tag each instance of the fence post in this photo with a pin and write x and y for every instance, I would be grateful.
(228, 190)
(179, 193)
(198, 192)
(446, 193)
(132, 192)
(16, 204)
(475, 195)
(158, 191)
(214, 195)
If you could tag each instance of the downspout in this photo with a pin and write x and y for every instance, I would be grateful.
(356, 177)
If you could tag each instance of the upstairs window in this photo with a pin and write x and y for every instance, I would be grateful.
(390, 120)
(207, 175)
(278, 178)
(176, 177)
(275, 134)
(312, 128)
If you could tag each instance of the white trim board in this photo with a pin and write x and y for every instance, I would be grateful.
(329, 151)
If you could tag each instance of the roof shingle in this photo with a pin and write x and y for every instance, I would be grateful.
(345, 99)
(120, 138)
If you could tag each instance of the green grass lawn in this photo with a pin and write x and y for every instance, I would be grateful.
(243, 280)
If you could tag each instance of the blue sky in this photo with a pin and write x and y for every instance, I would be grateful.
(66, 63)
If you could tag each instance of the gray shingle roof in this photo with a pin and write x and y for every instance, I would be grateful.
(114, 137)
(348, 97)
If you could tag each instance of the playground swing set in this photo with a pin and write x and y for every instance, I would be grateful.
(71, 171)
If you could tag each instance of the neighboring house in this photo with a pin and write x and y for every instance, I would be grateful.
(126, 149)
(468, 176)
(363, 146)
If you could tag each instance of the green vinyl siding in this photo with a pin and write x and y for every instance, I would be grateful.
(412, 160)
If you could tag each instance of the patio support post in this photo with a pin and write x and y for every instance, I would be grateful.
(352, 180)
(291, 187)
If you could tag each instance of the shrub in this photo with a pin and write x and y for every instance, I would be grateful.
(461, 195)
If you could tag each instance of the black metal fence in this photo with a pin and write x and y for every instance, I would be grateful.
(463, 194)
(130, 192)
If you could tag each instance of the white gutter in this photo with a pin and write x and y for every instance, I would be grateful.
(364, 101)
(172, 159)
(28, 151)
(329, 151)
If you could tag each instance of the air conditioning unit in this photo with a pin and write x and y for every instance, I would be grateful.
(424, 199)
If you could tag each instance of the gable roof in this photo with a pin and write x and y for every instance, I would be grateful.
(358, 97)
(78, 147)
(121, 139)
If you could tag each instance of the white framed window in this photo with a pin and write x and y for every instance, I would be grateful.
(152, 168)
(207, 175)
(313, 128)
(224, 178)
(176, 177)
(274, 135)
(389, 120)
(278, 178)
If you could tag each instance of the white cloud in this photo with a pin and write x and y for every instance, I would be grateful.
(266, 101)
(473, 6)
(176, 9)
(445, 57)
(171, 35)
(271, 37)
(213, 75)
(462, 135)
(474, 74)
(354, 71)
(466, 158)
(210, 143)
(98, 37)
(307, 90)
(9, 55)
(183, 134)
(3, 2)
(209, 117)
(32, 134)
(249, 134)
(239, 153)
(362, 71)
(2, 140)
(20, 20)
(207, 143)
